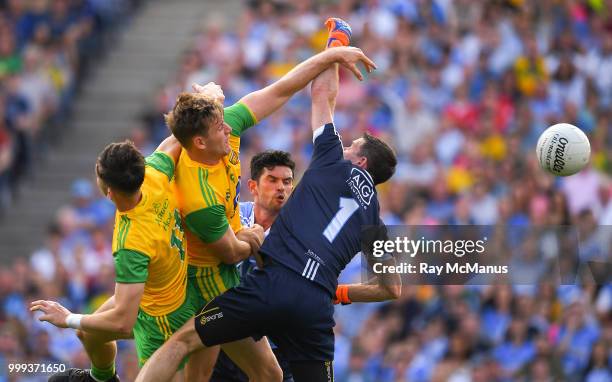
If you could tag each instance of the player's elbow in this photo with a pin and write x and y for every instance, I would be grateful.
(125, 332)
(124, 324)
(229, 258)
(394, 292)
(80, 334)
(234, 254)
(125, 329)
(120, 328)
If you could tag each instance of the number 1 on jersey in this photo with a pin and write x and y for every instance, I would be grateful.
(348, 206)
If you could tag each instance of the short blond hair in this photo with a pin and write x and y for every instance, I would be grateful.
(192, 115)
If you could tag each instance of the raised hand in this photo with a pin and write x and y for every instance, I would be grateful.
(211, 89)
(349, 57)
(54, 312)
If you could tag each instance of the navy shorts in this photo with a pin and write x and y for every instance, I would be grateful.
(295, 313)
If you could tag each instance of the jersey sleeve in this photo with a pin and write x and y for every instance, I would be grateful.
(161, 162)
(131, 267)
(327, 146)
(239, 117)
(246, 211)
(209, 224)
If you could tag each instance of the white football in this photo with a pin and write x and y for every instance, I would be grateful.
(563, 149)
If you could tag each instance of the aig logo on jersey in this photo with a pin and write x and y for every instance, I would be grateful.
(362, 186)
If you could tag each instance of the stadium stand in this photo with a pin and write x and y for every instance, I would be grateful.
(143, 55)
(464, 89)
(46, 49)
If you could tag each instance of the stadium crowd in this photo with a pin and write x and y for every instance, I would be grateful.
(463, 90)
(46, 48)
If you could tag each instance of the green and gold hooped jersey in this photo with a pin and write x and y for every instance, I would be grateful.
(209, 195)
(148, 241)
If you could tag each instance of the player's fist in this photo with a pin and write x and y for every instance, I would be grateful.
(54, 312)
(211, 89)
(258, 231)
(349, 57)
(253, 236)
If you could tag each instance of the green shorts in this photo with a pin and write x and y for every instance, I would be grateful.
(207, 283)
(150, 332)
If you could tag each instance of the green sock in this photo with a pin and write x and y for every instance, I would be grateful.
(102, 375)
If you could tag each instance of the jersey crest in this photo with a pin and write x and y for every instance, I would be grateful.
(362, 186)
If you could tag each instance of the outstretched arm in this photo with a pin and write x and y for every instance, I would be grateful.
(385, 286)
(117, 321)
(232, 248)
(211, 226)
(269, 99)
(369, 293)
(324, 90)
(122, 317)
(171, 147)
(382, 291)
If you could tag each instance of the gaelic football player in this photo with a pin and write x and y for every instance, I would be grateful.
(151, 299)
(271, 184)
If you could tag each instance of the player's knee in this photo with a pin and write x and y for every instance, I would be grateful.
(177, 346)
(276, 374)
(271, 369)
(271, 372)
(186, 340)
(200, 366)
(80, 334)
(264, 370)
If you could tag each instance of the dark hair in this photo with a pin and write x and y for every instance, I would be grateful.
(381, 158)
(122, 167)
(192, 115)
(270, 159)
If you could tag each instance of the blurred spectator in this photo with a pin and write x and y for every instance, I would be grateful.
(575, 339)
(599, 368)
(6, 158)
(530, 69)
(45, 48)
(516, 350)
(91, 211)
(455, 365)
(582, 192)
(46, 261)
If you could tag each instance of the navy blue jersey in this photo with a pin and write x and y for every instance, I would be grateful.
(319, 230)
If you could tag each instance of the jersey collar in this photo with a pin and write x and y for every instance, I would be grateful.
(138, 207)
